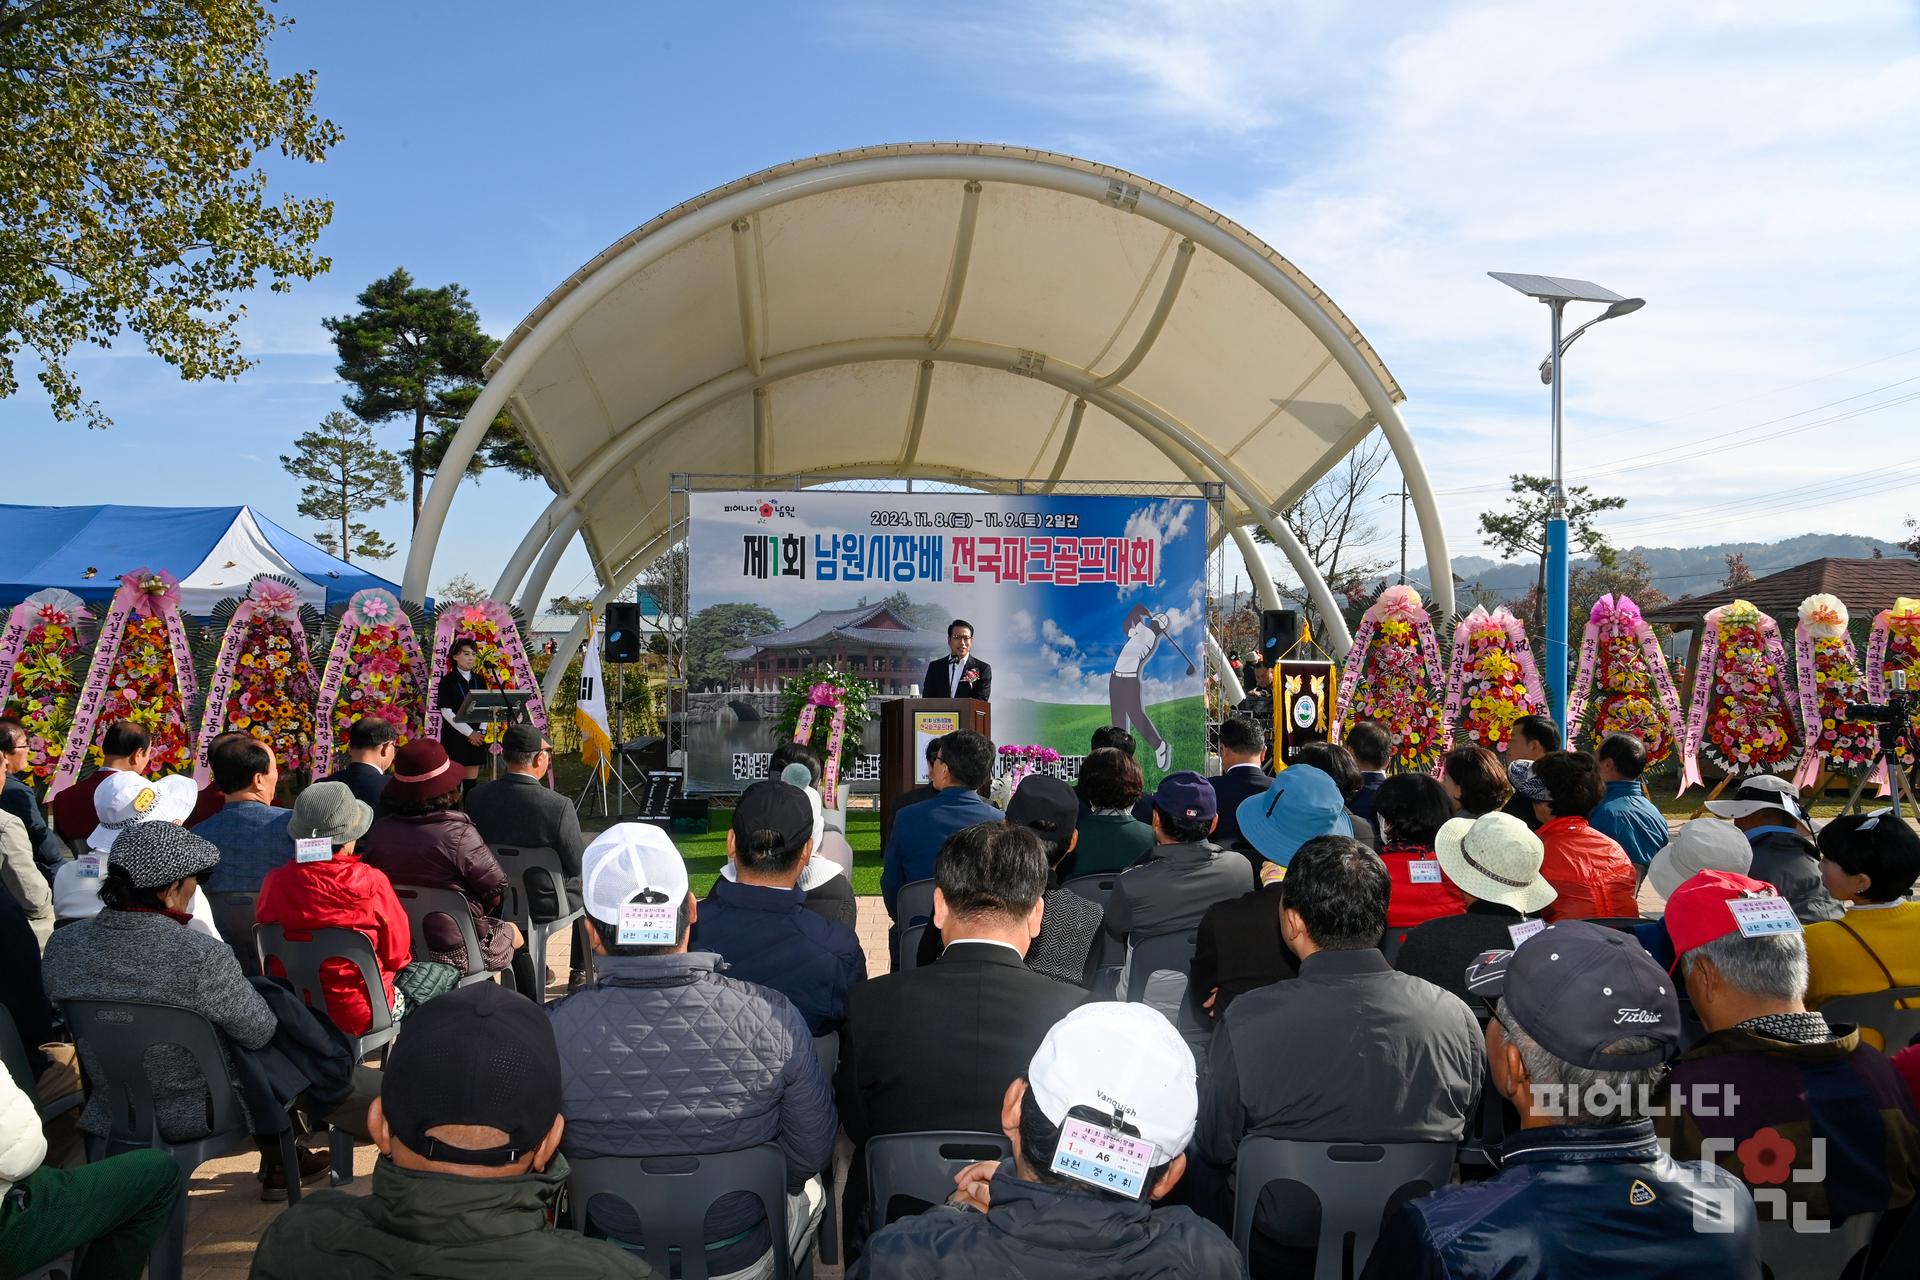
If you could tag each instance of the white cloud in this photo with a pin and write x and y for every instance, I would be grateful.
(1018, 628)
(1163, 522)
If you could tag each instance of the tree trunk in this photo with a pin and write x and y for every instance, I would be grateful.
(418, 462)
(346, 548)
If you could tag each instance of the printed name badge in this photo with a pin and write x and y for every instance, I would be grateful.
(1424, 871)
(313, 849)
(1524, 930)
(1100, 1157)
(1762, 917)
(648, 924)
(89, 865)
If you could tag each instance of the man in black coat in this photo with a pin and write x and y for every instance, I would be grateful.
(519, 810)
(1243, 746)
(959, 674)
(936, 1047)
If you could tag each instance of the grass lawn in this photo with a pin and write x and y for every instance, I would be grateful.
(1068, 726)
(706, 854)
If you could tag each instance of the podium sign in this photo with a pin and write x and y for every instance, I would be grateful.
(906, 726)
(1303, 695)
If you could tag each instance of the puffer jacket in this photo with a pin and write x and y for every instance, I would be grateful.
(340, 893)
(666, 1056)
(438, 1226)
(444, 851)
(1039, 1232)
(1591, 874)
(23, 1143)
(1577, 1201)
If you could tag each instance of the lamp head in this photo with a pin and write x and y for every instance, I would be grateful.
(1625, 306)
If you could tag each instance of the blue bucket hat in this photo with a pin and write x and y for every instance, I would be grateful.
(1300, 803)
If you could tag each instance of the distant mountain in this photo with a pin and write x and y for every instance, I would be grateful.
(1679, 571)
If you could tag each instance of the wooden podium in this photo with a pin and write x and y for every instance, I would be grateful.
(905, 726)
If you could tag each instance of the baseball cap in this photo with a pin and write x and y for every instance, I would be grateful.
(522, 739)
(154, 854)
(1761, 791)
(1496, 858)
(1578, 988)
(125, 798)
(774, 806)
(1705, 844)
(1525, 785)
(630, 859)
(1702, 911)
(1122, 1059)
(1047, 805)
(1300, 803)
(477, 1055)
(1186, 795)
(329, 809)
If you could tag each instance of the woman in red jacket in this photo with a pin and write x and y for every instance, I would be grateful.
(335, 890)
(1592, 875)
(1411, 808)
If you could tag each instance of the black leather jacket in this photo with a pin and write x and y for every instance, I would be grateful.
(1573, 1201)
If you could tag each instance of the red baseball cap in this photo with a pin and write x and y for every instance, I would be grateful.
(1699, 911)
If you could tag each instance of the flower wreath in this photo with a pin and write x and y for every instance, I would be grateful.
(38, 682)
(502, 657)
(374, 668)
(1895, 646)
(1492, 680)
(263, 682)
(1828, 678)
(1624, 670)
(142, 670)
(1393, 676)
(1740, 716)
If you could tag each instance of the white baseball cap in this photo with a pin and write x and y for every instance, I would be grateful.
(1705, 844)
(627, 859)
(1119, 1058)
(125, 797)
(1759, 792)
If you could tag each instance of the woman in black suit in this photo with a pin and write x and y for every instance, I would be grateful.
(465, 743)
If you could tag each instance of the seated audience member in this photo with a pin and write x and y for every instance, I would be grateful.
(371, 744)
(1704, 844)
(424, 841)
(1585, 1187)
(1475, 781)
(1772, 1087)
(1532, 737)
(124, 748)
(827, 886)
(1111, 838)
(519, 810)
(137, 948)
(1184, 874)
(664, 1055)
(338, 891)
(911, 796)
(23, 997)
(469, 1125)
(1372, 747)
(757, 919)
(964, 765)
(1334, 760)
(1411, 808)
(250, 830)
(1589, 872)
(1869, 863)
(1300, 803)
(26, 884)
(1625, 815)
(125, 800)
(1349, 1051)
(1242, 747)
(115, 1209)
(17, 798)
(1494, 861)
(211, 799)
(936, 1047)
(1024, 1217)
(1767, 810)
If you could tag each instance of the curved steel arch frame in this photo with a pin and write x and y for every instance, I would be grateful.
(1027, 172)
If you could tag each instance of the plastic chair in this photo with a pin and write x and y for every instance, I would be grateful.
(919, 1168)
(419, 904)
(521, 865)
(1095, 887)
(910, 946)
(13, 1056)
(1880, 1011)
(1787, 1254)
(914, 902)
(1356, 1184)
(233, 918)
(114, 1038)
(671, 1195)
(827, 1049)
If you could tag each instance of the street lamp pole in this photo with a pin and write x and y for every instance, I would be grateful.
(1403, 496)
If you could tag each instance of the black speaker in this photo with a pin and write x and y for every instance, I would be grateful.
(1279, 632)
(623, 631)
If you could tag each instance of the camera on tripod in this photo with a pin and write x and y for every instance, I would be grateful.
(1896, 711)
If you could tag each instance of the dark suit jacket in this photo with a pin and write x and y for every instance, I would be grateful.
(1239, 947)
(365, 781)
(1229, 789)
(939, 681)
(525, 813)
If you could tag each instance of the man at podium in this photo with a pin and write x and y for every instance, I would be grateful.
(959, 674)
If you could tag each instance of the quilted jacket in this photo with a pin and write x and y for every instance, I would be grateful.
(666, 1056)
(23, 1144)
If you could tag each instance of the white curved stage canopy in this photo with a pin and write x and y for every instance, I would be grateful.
(951, 311)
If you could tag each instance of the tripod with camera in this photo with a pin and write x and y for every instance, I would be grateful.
(1894, 721)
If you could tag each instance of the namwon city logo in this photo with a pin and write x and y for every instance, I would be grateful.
(763, 511)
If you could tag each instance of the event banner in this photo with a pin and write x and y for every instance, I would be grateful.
(1089, 610)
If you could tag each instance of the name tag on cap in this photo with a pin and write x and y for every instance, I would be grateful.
(1103, 1158)
(1762, 917)
(89, 865)
(313, 849)
(1524, 930)
(1424, 871)
(649, 924)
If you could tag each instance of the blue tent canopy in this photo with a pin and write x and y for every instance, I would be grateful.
(214, 551)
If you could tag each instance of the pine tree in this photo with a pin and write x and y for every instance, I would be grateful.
(347, 474)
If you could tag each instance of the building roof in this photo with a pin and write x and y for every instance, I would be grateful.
(855, 625)
(1865, 586)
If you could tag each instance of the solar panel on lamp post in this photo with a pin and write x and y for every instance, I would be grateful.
(1557, 292)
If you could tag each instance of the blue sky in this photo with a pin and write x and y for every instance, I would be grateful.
(1748, 167)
